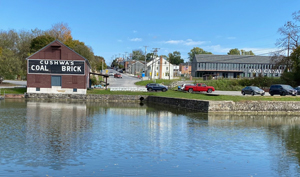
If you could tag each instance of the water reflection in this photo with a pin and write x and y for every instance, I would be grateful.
(51, 132)
(111, 139)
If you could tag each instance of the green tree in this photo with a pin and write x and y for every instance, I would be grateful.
(196, 50)
(87, 53)
(10, 65)
(40, 42)
(150, 56)
(114, 63)
(295, 57)
(99, 60)
(234, 52)
(175, 58)
(72, 43)
(244, 52)
(19, 45)
(138, 55)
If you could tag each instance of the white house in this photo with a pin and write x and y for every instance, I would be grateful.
(159, 68)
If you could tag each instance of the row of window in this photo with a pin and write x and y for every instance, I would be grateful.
(236, 66)
(149, 68)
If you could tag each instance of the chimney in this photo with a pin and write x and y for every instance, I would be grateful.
(160, 67)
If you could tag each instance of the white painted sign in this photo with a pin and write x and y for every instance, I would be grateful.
(265, 71)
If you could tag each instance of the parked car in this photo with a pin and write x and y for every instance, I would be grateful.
(199, 88)
(111, 74)
(252, 90)
(117, 75)
(298, 90)
(156, 87)
(183, 86)
(279, 89)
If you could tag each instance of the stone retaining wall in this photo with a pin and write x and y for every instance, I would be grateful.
(201, 106)
(96, 98)
(198, 105)
(254, 106)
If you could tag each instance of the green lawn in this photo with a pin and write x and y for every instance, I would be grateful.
(12, 91)
(200, 96)
(176, 94)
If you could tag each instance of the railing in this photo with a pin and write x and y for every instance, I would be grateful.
(130, 89)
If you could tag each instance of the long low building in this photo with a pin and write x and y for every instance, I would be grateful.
(234, 66)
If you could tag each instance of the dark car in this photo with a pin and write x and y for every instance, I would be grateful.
(253, 90)
(298, 90)
(282, 90)
(117, 75)
(156, 87)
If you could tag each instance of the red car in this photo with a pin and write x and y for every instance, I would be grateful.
(199, 88)
(117, 75)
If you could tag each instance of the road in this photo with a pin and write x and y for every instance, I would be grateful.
(126, 80)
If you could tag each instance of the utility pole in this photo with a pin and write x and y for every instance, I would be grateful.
(102, 67)
(145, 60)
(169, 67)
(125, 62)
(155, 50)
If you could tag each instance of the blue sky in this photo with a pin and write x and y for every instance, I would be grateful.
(113, 27)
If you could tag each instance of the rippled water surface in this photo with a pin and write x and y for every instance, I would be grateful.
(97, 139)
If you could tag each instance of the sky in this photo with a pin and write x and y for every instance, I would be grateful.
(116, 27)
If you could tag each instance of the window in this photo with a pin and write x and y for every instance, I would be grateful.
(167, 68)
(38, 89)
(74, 89)
(55, 80)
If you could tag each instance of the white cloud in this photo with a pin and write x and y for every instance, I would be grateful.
(136, 39)
(134, 31)
(185, 42)
(120, 40)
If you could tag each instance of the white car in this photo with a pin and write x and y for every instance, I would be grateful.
(111, 74)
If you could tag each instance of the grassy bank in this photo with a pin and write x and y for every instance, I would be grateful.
(224, 84)
(12, 91)
(176, 94)
(200, 96)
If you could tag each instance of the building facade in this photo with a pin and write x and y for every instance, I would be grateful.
(185, 68)
(159, 68)
(234, 66)
(135, 67)
(57, 69)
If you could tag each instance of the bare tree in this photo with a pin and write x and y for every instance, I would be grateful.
(290, 39)
(290, 33)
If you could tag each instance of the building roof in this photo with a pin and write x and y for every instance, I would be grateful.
(233, 59)
(157, 59)
(54, 44)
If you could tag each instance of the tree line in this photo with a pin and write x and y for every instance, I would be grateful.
(15, 47)
(175, 57)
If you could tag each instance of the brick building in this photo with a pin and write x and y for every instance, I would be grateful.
(57, 69)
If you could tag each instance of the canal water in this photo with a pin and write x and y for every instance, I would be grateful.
(108, 139)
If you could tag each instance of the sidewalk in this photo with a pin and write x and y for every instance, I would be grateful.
(20, 84)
